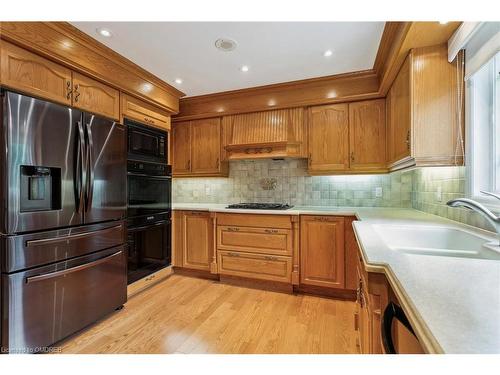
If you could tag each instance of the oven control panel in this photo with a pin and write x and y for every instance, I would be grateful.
(150, 169)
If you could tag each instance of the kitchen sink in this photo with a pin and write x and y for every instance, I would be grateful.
(438, 241)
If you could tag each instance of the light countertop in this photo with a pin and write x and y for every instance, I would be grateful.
(452, 303)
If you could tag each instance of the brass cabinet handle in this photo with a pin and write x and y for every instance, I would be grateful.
(408, 140)
(271, 230)
(321, 218)
(68, 89)
(310, 159)
(77, 86)
(233, 254)
(267, 257)
(352, 155)
(217, 163)
(147, 119)
(189, 165)
(233, 229)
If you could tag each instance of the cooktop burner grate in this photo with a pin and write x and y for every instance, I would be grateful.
(260, 206)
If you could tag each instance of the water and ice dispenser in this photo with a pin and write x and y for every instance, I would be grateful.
(40, 188)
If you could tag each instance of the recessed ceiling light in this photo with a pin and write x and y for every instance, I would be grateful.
(104, 32)
(225, 45)
(178, 81)
(328, 53)
(244, 68)
(443, 22)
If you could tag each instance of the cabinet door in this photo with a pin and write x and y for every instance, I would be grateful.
(367, 135)
(146, 113)
(197, 246)
(95, 97)
(181, 148)
(399, 116)
(206, 146)
(29, 73)
(322, 251)
(328, 138)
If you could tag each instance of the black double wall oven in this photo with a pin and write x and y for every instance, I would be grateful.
(149, 181)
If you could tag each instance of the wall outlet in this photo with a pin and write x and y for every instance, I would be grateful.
(378, 192)
(439, 194)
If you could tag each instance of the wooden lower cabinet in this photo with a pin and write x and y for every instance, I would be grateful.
(314, 253)
(373, 295)
(322, 251)
(262, 247)
(193, 240)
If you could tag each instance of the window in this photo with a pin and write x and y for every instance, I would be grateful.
(483, 130)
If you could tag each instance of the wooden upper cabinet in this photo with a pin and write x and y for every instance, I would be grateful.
(206, 146)
(329, 138)
(141, 111)
(197, 240)
(367, 135)
(425, 110)
(181, 148)
(399, 116)
(322, 259)
(197, 150)
(29, 73)
(96, 97)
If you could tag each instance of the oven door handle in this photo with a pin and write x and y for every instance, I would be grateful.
(149, 176)
(135, 229)
(81, 267)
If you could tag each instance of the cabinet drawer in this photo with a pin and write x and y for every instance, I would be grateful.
(136, 109)
(255, 220)
(256, 266)
(255, 240)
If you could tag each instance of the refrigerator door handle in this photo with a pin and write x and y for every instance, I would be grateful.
(90, 157)
(80, 169)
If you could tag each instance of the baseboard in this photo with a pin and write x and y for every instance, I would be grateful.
(148, 281)
(244, 282)
(195, 273)
(344, 294)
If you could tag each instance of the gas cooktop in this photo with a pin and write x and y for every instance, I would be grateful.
(260, 206)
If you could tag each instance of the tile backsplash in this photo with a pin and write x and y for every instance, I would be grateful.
(425, 189)
(433, 187)
(253, 181)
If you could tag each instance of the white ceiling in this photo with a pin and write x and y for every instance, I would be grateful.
(274, 51)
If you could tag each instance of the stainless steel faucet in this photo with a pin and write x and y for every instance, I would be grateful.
(479, 208)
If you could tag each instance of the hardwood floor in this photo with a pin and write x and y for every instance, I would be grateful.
(188, 315)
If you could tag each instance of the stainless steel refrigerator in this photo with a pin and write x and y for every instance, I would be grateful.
(63, 201)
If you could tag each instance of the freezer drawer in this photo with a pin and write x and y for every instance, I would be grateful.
(38, 249)
(46, 304)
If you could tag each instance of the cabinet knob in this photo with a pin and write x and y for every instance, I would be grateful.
(352, 156)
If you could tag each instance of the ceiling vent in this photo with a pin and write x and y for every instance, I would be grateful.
(225, 45)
